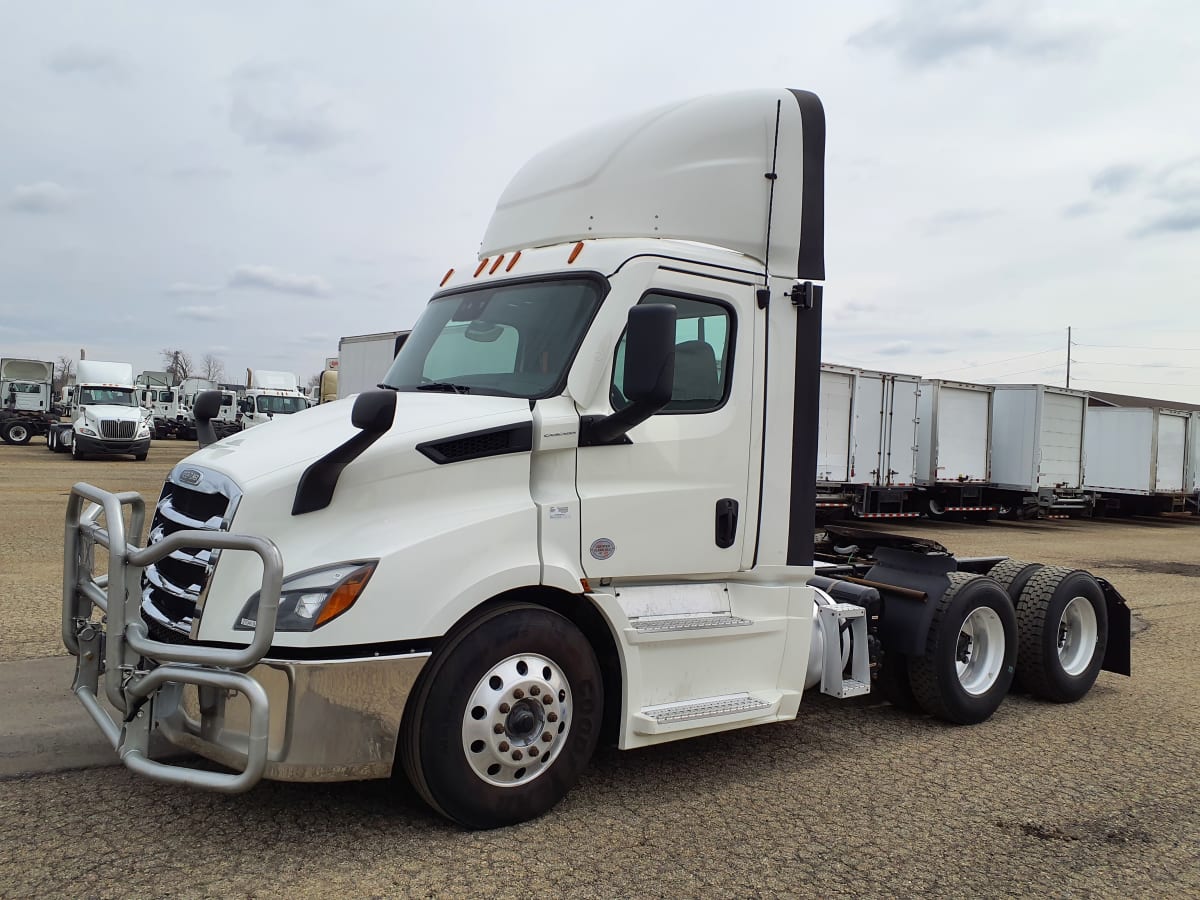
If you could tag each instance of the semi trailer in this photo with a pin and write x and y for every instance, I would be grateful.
(1137, 459)
(26, 399)
(363, 360)
(954, 426)
(580, 508)
(105, 418)
(867, 443)
(1037, 439)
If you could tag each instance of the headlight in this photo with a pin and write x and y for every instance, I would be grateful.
(310, 599)
(83, 429)
(144, 430)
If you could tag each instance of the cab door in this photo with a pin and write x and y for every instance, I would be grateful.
(672, 501)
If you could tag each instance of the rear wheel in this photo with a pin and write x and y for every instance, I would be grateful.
(1063, 623)
(970, 652)
(504, 718)
(1013, 575)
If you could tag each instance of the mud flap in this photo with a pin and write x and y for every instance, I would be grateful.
(1117, 652)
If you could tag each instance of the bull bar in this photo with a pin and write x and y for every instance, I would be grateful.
(118, 647)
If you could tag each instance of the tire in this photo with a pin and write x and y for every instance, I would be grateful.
(1013, 575)
(50, 436)
(974, 619)
(1062, 620)
(140, 457)
(449, 746)
(75, 454)
(17, 433)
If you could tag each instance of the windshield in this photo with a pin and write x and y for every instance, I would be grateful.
(90, 396)
(165, 396)
(512, 340)
(281, 405)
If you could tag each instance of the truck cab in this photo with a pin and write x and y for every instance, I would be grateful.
(581, 504)
(270, 394)
(106, 418)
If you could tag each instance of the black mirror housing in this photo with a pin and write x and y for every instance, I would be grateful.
(205, 409)
(374, 411)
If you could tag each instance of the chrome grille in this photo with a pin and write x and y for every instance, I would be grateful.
(115, 430)
(173, 587)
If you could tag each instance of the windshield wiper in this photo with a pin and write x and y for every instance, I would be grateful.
(445, 387)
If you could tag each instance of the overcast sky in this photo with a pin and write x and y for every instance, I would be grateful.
(255, 180)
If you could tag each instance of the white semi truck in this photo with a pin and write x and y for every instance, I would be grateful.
(26, 399)
(581, 508)
(105, 416)
(270, 394)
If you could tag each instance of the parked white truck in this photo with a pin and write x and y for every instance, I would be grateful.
(105, 417)
(26, 399)
(1037, 451)
(1137, 458)
(363, 360)
(581, 508)
(954, 426)
(270, 394)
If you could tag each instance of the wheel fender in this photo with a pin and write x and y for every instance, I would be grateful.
(905, 621)
(1120, 630)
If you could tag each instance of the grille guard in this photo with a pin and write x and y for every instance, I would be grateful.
(118, 646)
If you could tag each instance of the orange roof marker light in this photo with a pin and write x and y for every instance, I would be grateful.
(482, 265)
(574, 252)
(496, 264)
(449, 274)
(512, 262)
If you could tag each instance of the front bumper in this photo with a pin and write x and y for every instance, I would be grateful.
(101, 447)
(290, 720)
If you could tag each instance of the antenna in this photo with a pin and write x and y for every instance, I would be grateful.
(771, 176)
(1068, 356)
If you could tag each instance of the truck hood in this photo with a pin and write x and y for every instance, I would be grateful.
(298, 439)
(97, 411)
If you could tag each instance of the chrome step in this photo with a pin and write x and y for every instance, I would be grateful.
(695, 713)
(688, 623)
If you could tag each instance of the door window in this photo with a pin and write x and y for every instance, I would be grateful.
(703, 332)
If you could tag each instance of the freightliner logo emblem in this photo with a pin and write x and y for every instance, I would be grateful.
(189, 476)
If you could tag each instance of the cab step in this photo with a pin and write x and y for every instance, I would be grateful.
(664, 628)
(704, 711)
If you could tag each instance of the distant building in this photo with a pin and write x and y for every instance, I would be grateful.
(1102, 398)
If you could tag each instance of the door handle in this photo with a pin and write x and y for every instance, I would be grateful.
(727, 516)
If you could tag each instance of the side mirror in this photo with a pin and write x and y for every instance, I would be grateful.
(649, 373)
(374, 411)
(206, 408)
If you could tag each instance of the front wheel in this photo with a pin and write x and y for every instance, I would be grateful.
(970, 652)
(17, 433)
(504, 718)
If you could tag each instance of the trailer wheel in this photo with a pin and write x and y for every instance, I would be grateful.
(1063, 624)
(970, 652)
(504, 717)
(17, 433)
(1013, 575)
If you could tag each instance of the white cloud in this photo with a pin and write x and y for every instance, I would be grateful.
(267, 278)
(42, 197)
(280, 108)
(204, 313)
(188, 287)
(90, 61)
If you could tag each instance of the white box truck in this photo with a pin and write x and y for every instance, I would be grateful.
(26, 399)
(105, 416)
(363, 360)
(954, 423)
(1037, 451)
(1137, 458)
(269, 394)
(478, 572)
(867, 443)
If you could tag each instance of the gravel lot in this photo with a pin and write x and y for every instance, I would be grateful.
(1097, 798)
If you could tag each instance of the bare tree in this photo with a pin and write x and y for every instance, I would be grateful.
(63, 370)
(314, 381)
(212, 369)
(178, 363)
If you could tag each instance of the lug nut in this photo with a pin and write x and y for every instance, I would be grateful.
(517, 755)
(553, 717)
(547, 699)
(503, 748)
(534, 691)
(547, 737)
(498, 728)
(533, 751)
(518, 694)
(504, 708)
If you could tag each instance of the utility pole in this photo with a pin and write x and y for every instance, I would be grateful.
(1068, 357)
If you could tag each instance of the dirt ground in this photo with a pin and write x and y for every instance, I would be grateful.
(1096, 798)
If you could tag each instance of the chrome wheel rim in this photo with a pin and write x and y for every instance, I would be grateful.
(516, 719)
(1078, 634)
(979, 653)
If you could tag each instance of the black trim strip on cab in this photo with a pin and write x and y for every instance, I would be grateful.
(802, 520)
(811, 261)
(516, 438)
